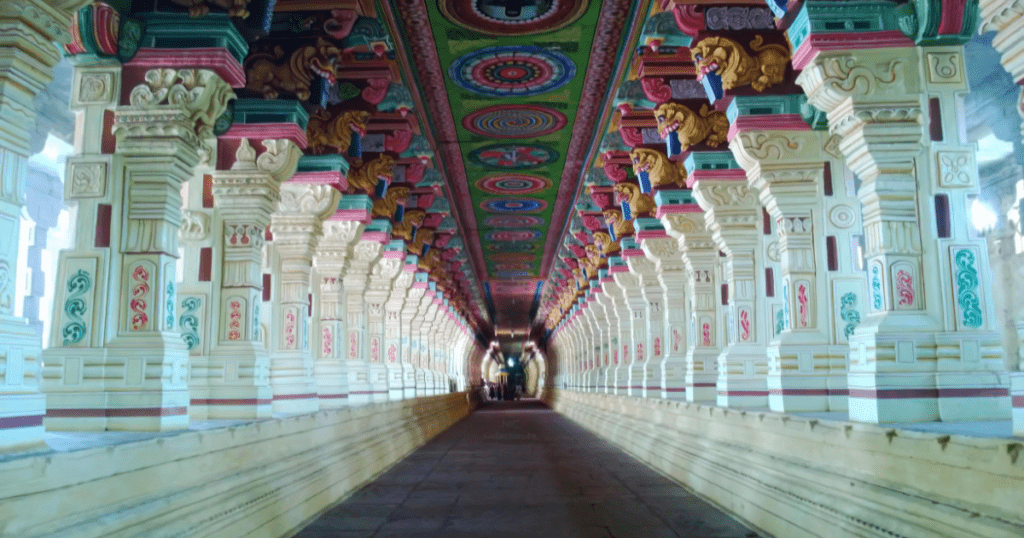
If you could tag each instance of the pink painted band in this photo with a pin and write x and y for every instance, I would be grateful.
(332, 396)
(632, 253)
(216, 59)
(334, 179)
(393, 254)
(651, 234)
(1018, 401)
(816, 43)
(798, 392)
(420, 285)
(677, 208)
(380, 237)
(27, 421)
(267, 131)
(743, 393)
(666, 389)
(353, 215)
(615, 269)
(231, 401)
(117, 412)
(409, 268)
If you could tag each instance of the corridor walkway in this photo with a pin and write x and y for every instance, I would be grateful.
(517, 469)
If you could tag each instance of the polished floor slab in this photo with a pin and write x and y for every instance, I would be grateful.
(517, 469)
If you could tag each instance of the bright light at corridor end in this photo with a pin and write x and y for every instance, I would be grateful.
(982, 216)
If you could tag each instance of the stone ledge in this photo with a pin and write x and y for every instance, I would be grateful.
(801, 477)
(261, 479)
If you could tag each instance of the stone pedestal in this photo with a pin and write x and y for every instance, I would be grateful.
(670, 343)
(360, 385)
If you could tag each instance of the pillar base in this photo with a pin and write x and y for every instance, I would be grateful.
(395, 387)
(673, 378)
(618, 379)
(331, 376)
(702, 387)
(926, 397)
(378, 382)
(797, 393)
(22, 405)
(1017, 396)
(21, 419)
(360, 391)
(408, 381)
(747, 389)
(636, 380)
(421, 383)
(230, 403)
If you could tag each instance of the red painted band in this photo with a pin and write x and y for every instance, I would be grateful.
(1018, 401)
(295, 396)
(897, 394)
(798, 392)
(26, 421)
(742, 393)
(231, 401)
(117, 412)
(216, 59)
(674, 390)
(705, 385)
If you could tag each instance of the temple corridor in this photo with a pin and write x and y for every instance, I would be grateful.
(515, 469)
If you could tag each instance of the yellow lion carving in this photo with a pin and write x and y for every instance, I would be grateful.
(385, 207)
(413, 219)
(366, 177)
(639, 203)
(272, 73)
(737, 68)
(604, 242)
(708, 126)
(621, 227)
(660, 170)
(334, 129)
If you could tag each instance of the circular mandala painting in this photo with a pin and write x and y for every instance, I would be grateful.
(514, 205)
(513, 156)
(512, 235)
(512, 184)
(514, 121)
(525, 17)
(512, 71)
(512, 221)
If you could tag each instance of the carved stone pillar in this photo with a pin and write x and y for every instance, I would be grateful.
(634, 339)
(650, 358)
(807, 358)
(703, 335)
(410, 365)
(382, 278)
(618, 310)
(158, 146)
(670, 272)
(297, 227)
(364, 254)
(232, 380)
(590, 357)
(28, 58)
(926, 350)
(329, 364)
(396, 355)
(733, 215)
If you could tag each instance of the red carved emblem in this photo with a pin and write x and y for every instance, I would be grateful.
(138, 302)
(235, 323)
(801, 297)
(905, 287)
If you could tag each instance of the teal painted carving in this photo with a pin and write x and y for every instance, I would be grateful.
(876, 288)
(848, 312)
(780, 321)
(967, 288)
(189, 322)
(78, 285)
(256, 321)
(170, 306)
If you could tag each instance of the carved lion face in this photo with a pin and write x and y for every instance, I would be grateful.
(717, 54)
(645, 160)
(324, 59)
(672, 116)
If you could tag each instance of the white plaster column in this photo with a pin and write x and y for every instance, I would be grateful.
(807, 358)
(704, 334)
(618, 376)
(396, 355)
(650, 357)
(670, 272)
(232, 379)
(635, 346)
(382, 278)
(410, 366)
(926, 350)
(297, 227)
(27, 57)
(364, 254)
(329, 328)
(606, 376)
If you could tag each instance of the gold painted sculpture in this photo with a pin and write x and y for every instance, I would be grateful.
(366, 177)
(709, 126)
(334, 129)
(413, 219)
(621, 227)
(639, 203)
(198, 8)
(385, 207)
(270, 73)
(660, 170)
(424, 236)
(738, 68)
(604, 242)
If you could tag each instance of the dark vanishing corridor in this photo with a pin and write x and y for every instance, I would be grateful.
(515, 469)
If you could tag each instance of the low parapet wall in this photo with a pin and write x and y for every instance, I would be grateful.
(795, 477)
(263, 479)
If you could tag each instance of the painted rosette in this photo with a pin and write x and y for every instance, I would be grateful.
(514, 121)
(512, 71)
(494, 17)
(512, 184)
(513, 221)
(514, 205)
(515, 156)
(512, 235)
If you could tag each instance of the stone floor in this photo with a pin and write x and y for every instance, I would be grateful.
(517, 469)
